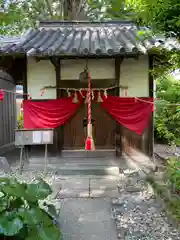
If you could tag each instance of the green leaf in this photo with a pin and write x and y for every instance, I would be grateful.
(3, 182)
(51, 210)
(178, 23)
(14, 188)
(38, 190)
(41, 232)
(3, 204)
(10, 224)
(16, 203)
(50, 233)
(34, 216)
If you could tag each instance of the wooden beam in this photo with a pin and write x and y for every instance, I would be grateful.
(103, 83)
(25, 84)
(60, 131)
(25, 97)
(57, 65)
(118, 62)
(151, 94)
(133, 56)
(151, 80)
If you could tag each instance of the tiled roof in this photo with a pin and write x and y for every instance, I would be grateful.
(83, 39)
(4, 40)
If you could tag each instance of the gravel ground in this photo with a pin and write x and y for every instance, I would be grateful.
(138, 214)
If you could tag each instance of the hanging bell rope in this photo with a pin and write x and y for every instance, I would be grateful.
(89, 144)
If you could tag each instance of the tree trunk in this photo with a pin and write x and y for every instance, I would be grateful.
(74, 10)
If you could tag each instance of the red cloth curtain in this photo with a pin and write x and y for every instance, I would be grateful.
(1, 94)
(50, 113)
(132, 113)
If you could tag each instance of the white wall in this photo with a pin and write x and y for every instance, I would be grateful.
(98, 68)
(40, 74)
(134, 75)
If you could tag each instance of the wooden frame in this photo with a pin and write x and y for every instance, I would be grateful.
(114, 81)
(151, 94)
(118, 62)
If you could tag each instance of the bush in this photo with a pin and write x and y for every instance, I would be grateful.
(167, 124)
(173, 174)
(20, 121)
(21, 216)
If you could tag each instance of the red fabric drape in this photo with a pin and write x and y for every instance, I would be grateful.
(1, 94)
(50, 113)
(132, 113)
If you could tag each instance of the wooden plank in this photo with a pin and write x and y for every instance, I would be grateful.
(7, 109)
(59, 93)
(25, 79)
(151, 94)
(96, 83)
(118, 62)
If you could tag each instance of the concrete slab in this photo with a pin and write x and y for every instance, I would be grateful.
(106, 192)
(104, 187)
(109, 182)
(73, 187)
(75, 183)
(87, 219)
(4, 165)
(69, 193)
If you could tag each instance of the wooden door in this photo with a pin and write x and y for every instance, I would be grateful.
(103, 129)
(74, 132)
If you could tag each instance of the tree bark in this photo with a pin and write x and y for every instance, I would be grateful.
(74, 10)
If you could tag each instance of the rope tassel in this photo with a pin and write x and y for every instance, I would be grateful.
(99, 98)
(75, 99)
(89, 144)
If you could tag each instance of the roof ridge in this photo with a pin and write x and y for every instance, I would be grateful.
(85, 21)
(62, 23)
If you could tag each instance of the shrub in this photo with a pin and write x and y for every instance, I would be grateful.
(167, 124)
(21, 216)
(20, 122)
(173, 174)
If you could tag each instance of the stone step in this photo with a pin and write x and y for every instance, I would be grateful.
(103, 153)
(78, 161)
(76, 170)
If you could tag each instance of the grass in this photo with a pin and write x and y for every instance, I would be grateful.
(172, 201)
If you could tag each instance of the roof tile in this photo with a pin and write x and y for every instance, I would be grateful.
(83, 39)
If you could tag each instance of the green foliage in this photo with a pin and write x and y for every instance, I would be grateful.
(167, 124)
(171, 201)
(20, 121)
(162, 16)
(13, 18)
(21, 216)
(173, 174)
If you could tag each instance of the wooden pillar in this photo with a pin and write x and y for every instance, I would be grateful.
(25, 97)
(151, 94)
(118, 61)
(59, 132)
(25, 79)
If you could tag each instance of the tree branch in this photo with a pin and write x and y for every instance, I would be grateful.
(49, 7)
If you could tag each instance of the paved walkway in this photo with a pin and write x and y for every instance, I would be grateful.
(85, 204)
(108, 207)
(87, 219)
